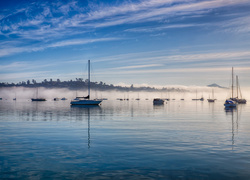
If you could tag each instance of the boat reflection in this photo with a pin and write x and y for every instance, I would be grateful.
(86, 109)
(230, 109)
(233, 112)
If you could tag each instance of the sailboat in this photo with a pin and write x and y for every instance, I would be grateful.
(14, 99)
(211, 100)
(201, 99)
(86, 100)
(231, 102)
(239, 100)
(37, 99)
(138, 99)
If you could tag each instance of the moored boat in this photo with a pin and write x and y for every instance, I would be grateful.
(239, 100)
(37, 99)
(158, 101)
(86, 100)
(198, 99)
(211, 100)
(231, 102)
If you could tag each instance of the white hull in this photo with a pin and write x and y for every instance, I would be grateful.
(85, 102)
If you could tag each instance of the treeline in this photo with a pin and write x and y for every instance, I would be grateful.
(79, 83)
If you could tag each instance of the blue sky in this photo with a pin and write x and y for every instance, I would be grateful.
(155, 42)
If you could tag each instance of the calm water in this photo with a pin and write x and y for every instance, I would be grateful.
(124, 140)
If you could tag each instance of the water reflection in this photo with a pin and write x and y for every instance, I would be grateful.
(233, 112)
(158, 106)
(191, 139)
(85, 109)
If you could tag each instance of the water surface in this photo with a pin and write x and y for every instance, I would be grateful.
(124, 140)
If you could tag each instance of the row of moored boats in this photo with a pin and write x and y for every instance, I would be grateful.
(229, 103)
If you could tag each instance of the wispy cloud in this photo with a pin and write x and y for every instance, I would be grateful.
(24, 75)
(160, 28)
(181, 57)
(14, 65)
(237, 25)
(176, 70)
(48, 22)
(138, 66)
(23, 66)
(14, 50)
(55, 18)
(80, 41)
(124, 15)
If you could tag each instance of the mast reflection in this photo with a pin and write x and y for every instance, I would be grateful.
(85, 110)
(234, 118)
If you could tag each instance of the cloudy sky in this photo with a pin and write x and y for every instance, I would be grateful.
(155, 42)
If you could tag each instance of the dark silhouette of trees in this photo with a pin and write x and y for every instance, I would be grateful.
(80, 84)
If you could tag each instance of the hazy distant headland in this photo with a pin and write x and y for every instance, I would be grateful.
(80, 84)
(216, 85)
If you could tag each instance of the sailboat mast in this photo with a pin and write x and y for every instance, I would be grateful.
(237, 86)
(89, 78)
(232, 82)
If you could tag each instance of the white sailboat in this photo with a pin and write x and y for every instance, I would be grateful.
(86, 100)
(231, 103)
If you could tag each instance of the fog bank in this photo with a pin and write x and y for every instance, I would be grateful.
(190, 93)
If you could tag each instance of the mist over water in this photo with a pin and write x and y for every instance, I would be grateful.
(186, 93)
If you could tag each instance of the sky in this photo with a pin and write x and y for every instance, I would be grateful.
(147, 42)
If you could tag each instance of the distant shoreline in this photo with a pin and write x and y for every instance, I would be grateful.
(79, 84)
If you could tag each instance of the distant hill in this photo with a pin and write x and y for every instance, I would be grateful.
(80, 84)
(216, 85)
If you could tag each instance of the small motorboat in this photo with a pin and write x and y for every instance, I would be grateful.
(158, 101)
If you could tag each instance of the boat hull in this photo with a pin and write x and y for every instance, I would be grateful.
(211, 100)
(85, 102)
(158, 101)
(230, 105)
(39, 99)
(201, 99)
(241, 101)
